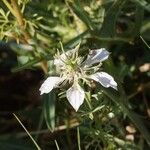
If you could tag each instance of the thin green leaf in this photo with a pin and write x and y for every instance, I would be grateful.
(138, 20)
(30, 64)
(113, 39)
(146, 26)
(142, 3)
(109, 25)
(94, 110)
(73, 42)
(25, 66)
(49, 109)
(79, 11)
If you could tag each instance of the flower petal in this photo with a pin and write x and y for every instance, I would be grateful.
(75, 96)
(49, 84)
(104, 79)
(96, 56)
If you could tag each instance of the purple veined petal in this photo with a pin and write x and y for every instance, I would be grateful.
(96, 56)
(49, 84)
(75, 96)
(104, 79)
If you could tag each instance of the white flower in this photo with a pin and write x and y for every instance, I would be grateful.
(104, 79)
(96, 56)
(61, 59)
(49, 84)
(75, 96)
(72, 69)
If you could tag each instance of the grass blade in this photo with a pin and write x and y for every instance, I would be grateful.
(57, 145)
(38, 148)
(145, 42)
(78, 138)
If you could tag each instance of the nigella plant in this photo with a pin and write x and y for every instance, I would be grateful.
(74, 70)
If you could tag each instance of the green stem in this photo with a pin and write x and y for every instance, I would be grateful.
(9, 7)
(144, 42)
(15, 10)
(18, 13)
(20, 19)
(78, 138)
(38, 148)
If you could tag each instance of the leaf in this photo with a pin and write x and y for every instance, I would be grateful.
(146, 26)
(2, 12)
(73, 42)
(142, 3)
(139, 13)
(30, 64)
(114, 39)
(21, 49)
(79, 11)
(121, 99)
(49, 109)
(108, 29)
(26, 65)
(23, 59)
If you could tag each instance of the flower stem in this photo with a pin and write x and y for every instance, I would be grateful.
(9, 7)
(15, 10)
(43, 65)
(20, 19)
